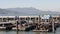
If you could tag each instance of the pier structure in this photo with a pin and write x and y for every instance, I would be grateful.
(29, 19)
(35, 19)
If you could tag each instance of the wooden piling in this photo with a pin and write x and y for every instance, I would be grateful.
(17, 25)
(53, 30)
(39, 18)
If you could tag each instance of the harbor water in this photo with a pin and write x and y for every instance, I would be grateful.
(30, 32)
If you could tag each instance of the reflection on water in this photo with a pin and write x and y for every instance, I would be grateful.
(35, 33)
(43, 33)
(40, 32)
(22, 32)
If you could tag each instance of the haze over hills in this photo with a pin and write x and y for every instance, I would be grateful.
(26, 11)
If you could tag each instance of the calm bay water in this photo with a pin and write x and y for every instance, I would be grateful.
(22, 32)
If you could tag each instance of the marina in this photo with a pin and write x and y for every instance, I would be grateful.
(30, 23)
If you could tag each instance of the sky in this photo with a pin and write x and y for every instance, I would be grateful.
(46, 5)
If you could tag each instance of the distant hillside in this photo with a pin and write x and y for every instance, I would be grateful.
(26, 11)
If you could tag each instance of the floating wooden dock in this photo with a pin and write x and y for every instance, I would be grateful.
(2, 27)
